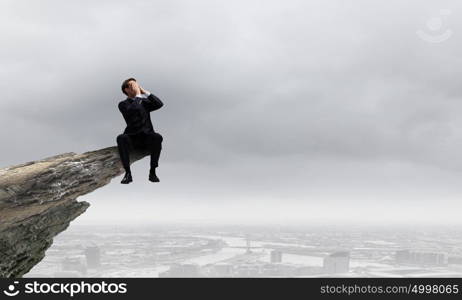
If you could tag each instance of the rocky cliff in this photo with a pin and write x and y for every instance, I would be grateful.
(38, 201)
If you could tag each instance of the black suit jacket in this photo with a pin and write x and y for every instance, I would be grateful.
(136, 113)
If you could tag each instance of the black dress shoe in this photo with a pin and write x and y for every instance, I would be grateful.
(127, 178)
(152, 176)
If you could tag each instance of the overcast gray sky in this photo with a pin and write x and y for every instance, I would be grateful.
(281, 111)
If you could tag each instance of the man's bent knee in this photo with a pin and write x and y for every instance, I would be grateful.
(121, 138)
(156, 137)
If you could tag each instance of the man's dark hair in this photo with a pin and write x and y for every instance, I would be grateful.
(125, 84)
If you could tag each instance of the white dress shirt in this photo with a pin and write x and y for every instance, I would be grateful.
(142, 95)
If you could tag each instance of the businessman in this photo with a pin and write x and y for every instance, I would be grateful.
(139, 133)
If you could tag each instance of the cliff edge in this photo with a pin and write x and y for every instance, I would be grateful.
(38, 201)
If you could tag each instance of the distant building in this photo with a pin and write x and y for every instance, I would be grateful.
(63, 274)
(74, 263)
(276, 256)
(277, 270)
(92, 253)
(248, 270)
(402, 256)
(430, 258)
(308, 270)
(182, 270)
(426, 258)
(457, 260)
(337, 262)
(222, 270)
(247, 243)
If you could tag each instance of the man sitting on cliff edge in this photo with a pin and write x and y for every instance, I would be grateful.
(139, 133)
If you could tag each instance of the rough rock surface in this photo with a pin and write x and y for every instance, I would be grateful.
(38, 201)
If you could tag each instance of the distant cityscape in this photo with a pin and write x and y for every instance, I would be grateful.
(226, 251)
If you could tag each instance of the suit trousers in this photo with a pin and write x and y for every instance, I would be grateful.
(151, 141)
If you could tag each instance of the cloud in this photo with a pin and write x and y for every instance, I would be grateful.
(338, 82)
